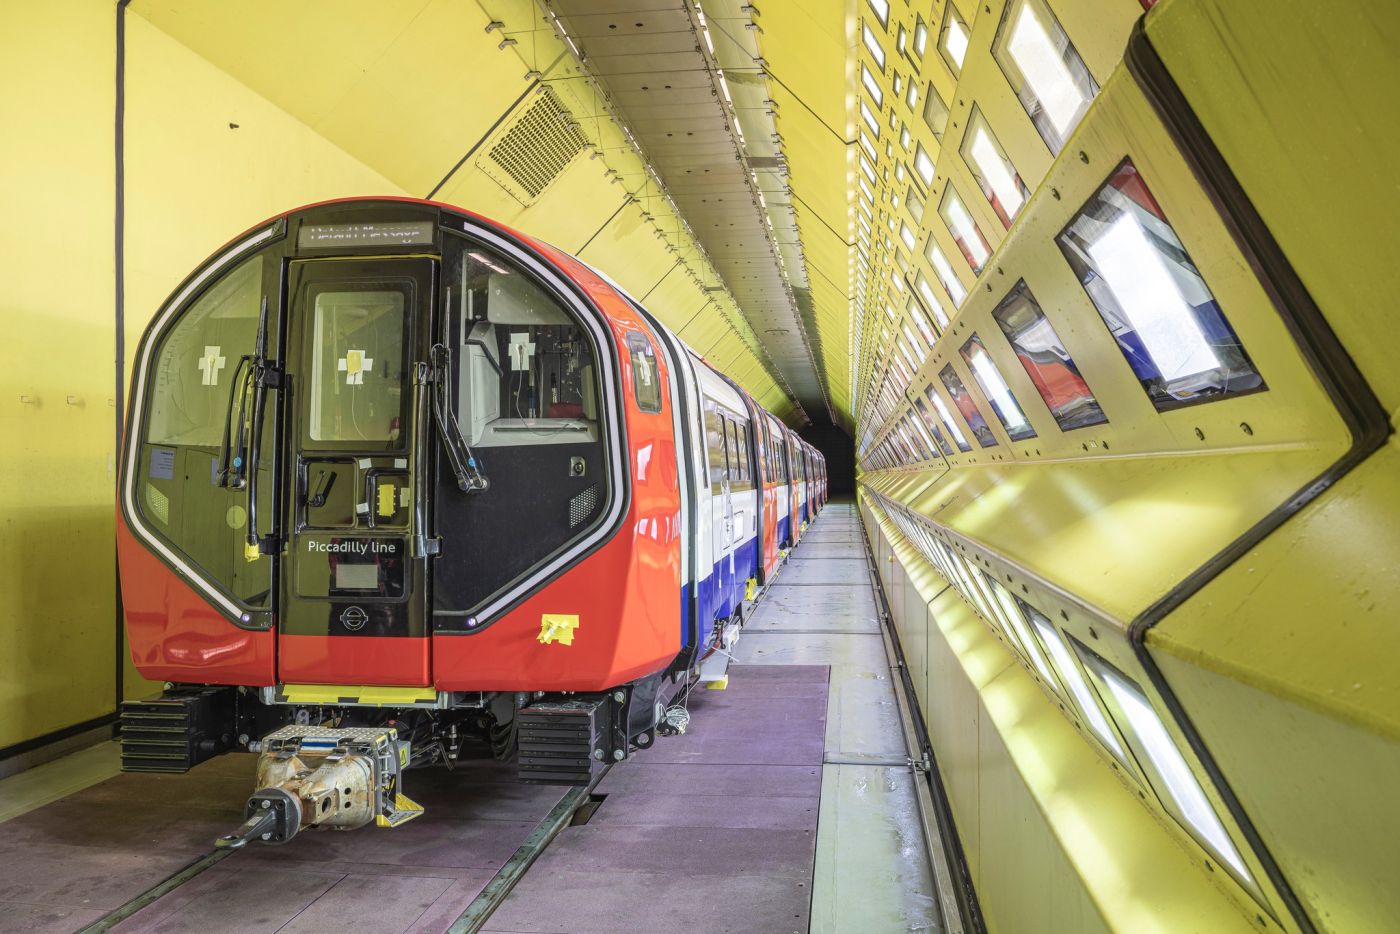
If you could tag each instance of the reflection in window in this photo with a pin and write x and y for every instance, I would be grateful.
(1154, 301)
(1170, 775)
(1045, 71)
(970, 413)
(995, 175)
(1046, 361)
(927, 417)
(715, 445)
(949, 422)
(953, 42)
(946, 277)
(935, 113)
(357, 386)
(995, 389)
(964, 229)
(646, 377)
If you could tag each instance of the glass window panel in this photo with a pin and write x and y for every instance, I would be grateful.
(923, 322)
(872, 44)
(881, 8)
(935, 113)
(1166, 321)
(715, 444)
(968, 236)
(1073, 679)
(952, 44)
(995, 175)
(923, 164)
(970, 413)
(984, 370)
(907, 235)
(872, 86)
(946, 277)
(948, 421)
(358, 362)
(920, 37)
(868, 146)
(1044, 70)
(927, 417)
(870, 119)
(911, 96)
(914, 204)
(1046, 361)
(914, 341)
(646, 376)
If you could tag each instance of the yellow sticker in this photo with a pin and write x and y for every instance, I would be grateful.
(557, 627)
(386, 499)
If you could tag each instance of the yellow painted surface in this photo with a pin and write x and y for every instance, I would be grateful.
(1057, 840)
(57, 382)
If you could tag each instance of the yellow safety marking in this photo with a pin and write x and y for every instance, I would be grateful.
(719, 684)
(386, 499)
(372, 694)
(251, 552)
(750, 588)
(557, 627)
(405, 810)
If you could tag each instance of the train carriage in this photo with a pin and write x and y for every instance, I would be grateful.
(383, 456)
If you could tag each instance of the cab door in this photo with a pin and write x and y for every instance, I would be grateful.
(355, 596)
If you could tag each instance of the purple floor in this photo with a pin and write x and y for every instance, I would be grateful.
(715, 828)
(714, 831)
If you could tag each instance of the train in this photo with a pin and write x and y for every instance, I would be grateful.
(401, 485)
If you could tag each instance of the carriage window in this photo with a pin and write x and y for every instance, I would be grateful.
(740, 474)
(970, 413)
(526, 368)
(646, 377)
(1046, 360)
(357, 386)
(1004, 404)
(1166, 321)
(715, 444)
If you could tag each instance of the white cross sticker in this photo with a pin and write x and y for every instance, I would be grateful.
(355, 365)
(210, 364)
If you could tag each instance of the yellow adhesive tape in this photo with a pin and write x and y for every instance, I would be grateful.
(386, 499)
(557, 627)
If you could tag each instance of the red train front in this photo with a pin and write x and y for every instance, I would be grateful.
(383, 458)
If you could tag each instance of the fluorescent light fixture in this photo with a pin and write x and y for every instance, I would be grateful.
(1182, 787)
(1074, 679)
(1148, 294)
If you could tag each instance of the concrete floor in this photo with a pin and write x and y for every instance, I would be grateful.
(871, 869)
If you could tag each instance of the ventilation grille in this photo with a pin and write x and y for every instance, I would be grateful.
(525, 158)
(582, 506)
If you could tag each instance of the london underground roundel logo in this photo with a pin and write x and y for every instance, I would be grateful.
(354, 618)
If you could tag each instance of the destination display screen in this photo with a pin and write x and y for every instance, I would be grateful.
(390, 233)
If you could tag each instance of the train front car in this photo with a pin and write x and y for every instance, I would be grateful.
(398, 485)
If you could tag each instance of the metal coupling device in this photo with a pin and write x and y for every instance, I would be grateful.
(330, 779)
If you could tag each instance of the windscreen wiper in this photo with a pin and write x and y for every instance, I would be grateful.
(468, 474)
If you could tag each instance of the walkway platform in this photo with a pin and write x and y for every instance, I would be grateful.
(787, 806)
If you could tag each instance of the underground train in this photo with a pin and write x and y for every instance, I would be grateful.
(402, 485)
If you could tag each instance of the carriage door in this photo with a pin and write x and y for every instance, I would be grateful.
(354, 596)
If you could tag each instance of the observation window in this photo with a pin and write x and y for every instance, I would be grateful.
(646, 376)
(1016, 612)
(914, 341)
(952, 43)
(872, 45)
(911, 96)
(740, 465)
(1046, 361)
(935, 113)
(868, 146)
(970, 413)
(881, 9)
(870, 119)
(1072, 678)
(932, 426)
(1167, 770)
(968, 236)
(926, 292)
(1152, 298)
(920, 37)
(867, 78)
(923, 165)
(1043, 68)
(995, 175)
(949, 422)
(1003, 401)
(915, 205)
(923, 322)
(946, 277)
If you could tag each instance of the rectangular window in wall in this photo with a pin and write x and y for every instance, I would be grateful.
(922, 321)
(920, 38)
(1073, 679)
(923, 164)
(935, 113)
(872, 87)
(1167, 770)
(988, 377)
(995, 175)
(970, 413)
(1044, 70)
(1166, 321)
(1046, 361)
(932, 426)
(926, 293)
(872, 45)
(953, 39)
(975, 248)
(949, 422)
(881, 9)
(946, 277)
